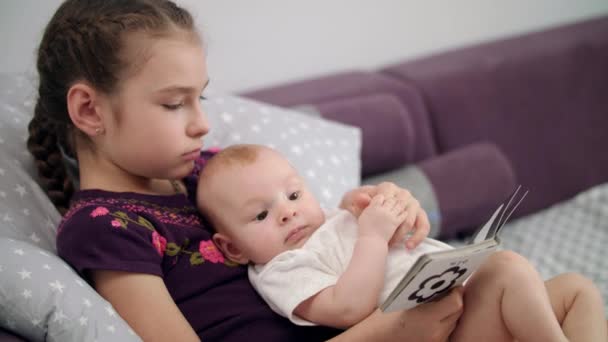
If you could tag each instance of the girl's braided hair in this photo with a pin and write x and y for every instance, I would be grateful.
(83, 42)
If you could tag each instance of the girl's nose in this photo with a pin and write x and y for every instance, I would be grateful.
(199, 125)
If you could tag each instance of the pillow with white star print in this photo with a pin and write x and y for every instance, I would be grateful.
(43, 298)
(326, 153)
(26, 213)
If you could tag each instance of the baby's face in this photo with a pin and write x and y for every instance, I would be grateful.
(265, 207)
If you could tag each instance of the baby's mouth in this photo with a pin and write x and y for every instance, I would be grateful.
(295, 234)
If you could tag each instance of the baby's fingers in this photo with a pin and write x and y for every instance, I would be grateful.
(421, 230)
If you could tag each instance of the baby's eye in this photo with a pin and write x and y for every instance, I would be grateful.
(175, 106)
(202, 98)
(261, 216)
(294, 196)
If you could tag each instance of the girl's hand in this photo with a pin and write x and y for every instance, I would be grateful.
(416, 222)
(381, 217)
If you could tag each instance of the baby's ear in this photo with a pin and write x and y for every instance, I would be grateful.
(230, 250)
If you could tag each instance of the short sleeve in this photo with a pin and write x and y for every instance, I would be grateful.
(291, 278)
(107, 238)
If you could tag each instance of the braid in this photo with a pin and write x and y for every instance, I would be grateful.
(85, 41)
(43, 145)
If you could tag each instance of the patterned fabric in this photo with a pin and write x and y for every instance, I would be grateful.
(34, 288)
(165, 236)
(567, 237)
(325, 153)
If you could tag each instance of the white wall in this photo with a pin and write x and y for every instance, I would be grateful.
(263, 42)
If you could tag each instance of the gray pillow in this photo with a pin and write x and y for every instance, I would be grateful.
(34, 282)
(326, 153)
(44, 299)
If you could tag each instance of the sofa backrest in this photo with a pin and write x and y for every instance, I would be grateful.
(541, 97)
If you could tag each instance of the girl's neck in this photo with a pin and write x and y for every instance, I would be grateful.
(103, 175)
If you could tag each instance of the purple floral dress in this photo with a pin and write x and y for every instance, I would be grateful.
(165, 236)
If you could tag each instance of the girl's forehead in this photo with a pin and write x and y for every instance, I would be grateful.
(167, 61)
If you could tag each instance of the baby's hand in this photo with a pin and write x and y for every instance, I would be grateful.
(382, 217)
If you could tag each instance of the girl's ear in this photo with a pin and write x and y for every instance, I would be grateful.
(230, 250)
(83, 108)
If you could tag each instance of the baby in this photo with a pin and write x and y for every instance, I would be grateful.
(328, 267)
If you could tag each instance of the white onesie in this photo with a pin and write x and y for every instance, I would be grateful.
(294, 276)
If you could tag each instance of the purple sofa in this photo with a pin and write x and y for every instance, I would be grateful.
(530, 110)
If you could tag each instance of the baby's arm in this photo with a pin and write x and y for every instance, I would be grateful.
(355, 294)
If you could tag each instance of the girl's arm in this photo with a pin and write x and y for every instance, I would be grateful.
(144, 302)
(355, 294)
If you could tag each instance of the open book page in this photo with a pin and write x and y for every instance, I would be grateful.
(435, 273)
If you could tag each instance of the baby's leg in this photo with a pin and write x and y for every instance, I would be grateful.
(579, 308)
(506, 300)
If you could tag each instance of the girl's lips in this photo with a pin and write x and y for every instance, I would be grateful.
(193, 155)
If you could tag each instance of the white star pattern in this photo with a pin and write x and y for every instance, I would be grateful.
(80, 282)
(219, 100)
(335, 160)
(304, 125)
(34, 238)
(2, 194)
(35, 322)
(1, 268)
(111, 329)
(320, 162)
(26, 212)
(227, 117)
(1, 140)
(326, 193)
(27, 294)
(311, 173)
(7, 218)
(131, 331)
(44, 253)
(110, 311)
(87, 303)
(20, 189)
(329, 142)
(46, 267)
(57, 286)
(265, 121)
(2, 172)
(25, 274)
(293, 131)
(236, 137)
(241, 109)
(256, 128)
(59, 316)
(296, 149)
(83, 320)
(330, 178)
(283, 136)
(265, 110)
(19, 251)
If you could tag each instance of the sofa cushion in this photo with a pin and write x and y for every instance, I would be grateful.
(389, 137)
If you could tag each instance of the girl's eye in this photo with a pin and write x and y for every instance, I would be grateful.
(294, 196)
(173, 106)
(261, 216)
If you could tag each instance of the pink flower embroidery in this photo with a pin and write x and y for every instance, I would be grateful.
(116, 224)
(159, 242)
(214, 149)
(99, 211)
(210, 252)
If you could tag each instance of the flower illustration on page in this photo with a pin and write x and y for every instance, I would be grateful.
(437, 284)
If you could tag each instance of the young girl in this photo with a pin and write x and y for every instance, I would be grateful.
(334, 269)
(120, 82)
